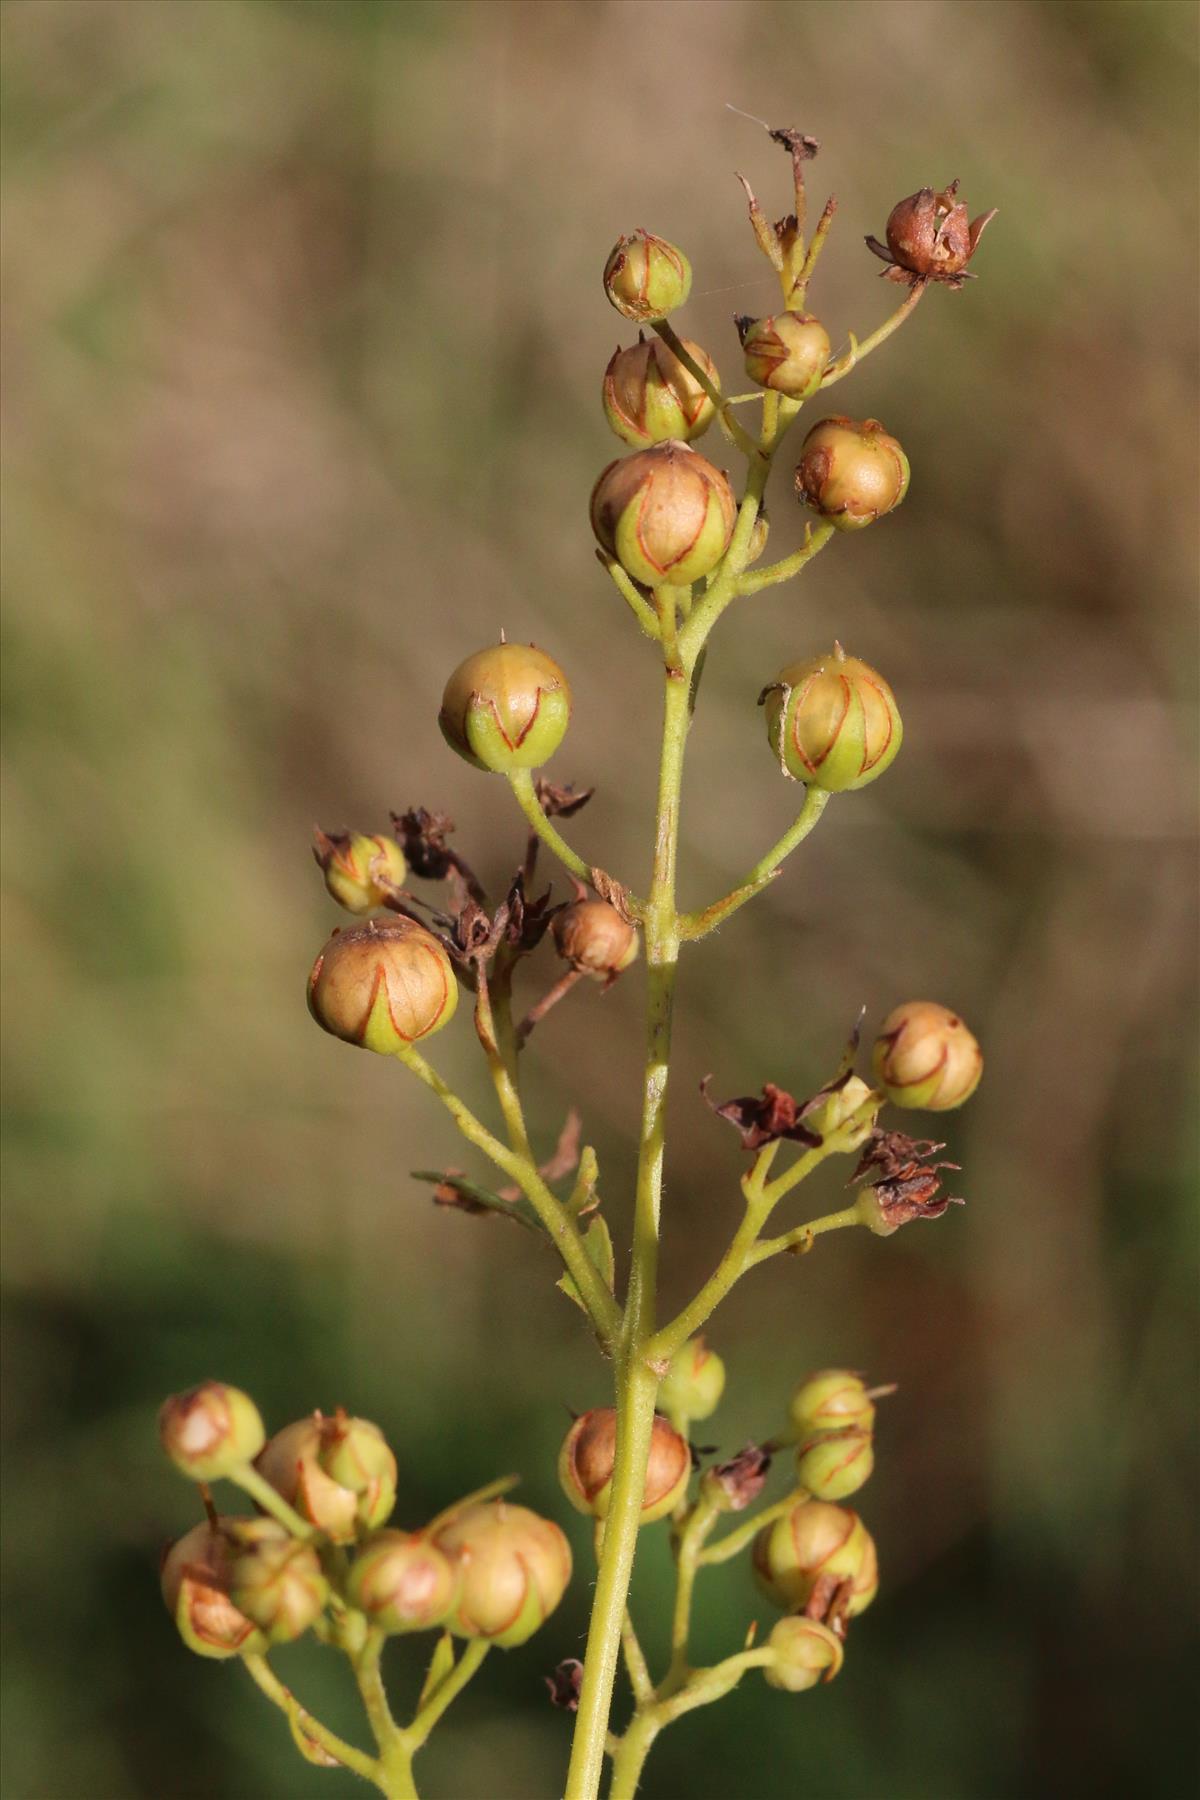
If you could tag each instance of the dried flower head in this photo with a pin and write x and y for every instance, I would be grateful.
(929, 238)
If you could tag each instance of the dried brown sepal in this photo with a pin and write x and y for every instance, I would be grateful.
(828, 1602)
(610, 889)
(561, 801)
(565, 1684)
(908, 1187)
(528, 920)
(743, 1477)
(762, 1118)
(422, 836)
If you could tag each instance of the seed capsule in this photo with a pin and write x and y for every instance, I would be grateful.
(274, 1579)
(788, 352)
(515, 1569)
(585, 1465)
(382, 985)
(694, 1382)
(646, 278)
(195, 1587)
(360, 872)
(832, 722)
(593, 937)
(403, 1583)
(337, 1472)
(925, 1057)
(666, 514)
(210, 1430)
(929, 238)
(851, 472)
(831, 1400)
(807, 1652)
(834, 1464)
(813, 1539)
(839, 1106)
(506, 708)
(649, 396)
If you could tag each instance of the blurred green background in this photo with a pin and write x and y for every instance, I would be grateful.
(303, 345)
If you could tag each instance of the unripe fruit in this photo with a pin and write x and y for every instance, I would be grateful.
(210, 1430)
(646, 278)
(925, 1057)
(851, 472)
(694, 1382)
(300, 1463)
(806, 1651)
(813, 1539)
(274, 1579)
(666, 514)
(832, 722)
(834, 1464)
(359, 871)
(195, 1587)
(382, 985)
(403, 1583)
(831, 1400)
(506, 708)
(789, 353)
(649, 396)
(515, 1569)
(865, 1584)
(585, 1465)
(593, 937)
(833, 1112)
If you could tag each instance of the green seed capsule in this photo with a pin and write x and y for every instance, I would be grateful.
(832, 722)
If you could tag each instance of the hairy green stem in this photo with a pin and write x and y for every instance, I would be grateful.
(737, 432)
(816, 537)
(445, 1693)
(601, 1306)
(745, 1533)
(701, 1522)
(698, 925)
(263, 1494)
(304, 1726)
(844, 364)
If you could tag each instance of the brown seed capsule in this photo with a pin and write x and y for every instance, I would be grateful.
(337, 1472)
(650, 397)
(195, 1587)
(382, 985)
(646, 278)
(666, 514)
(929, 239)
(515, 1569)
(593, 937)
(210, 1430)
(506, 707)
(788, 352)
(851, 471)
(925, 1057)
(585, 1465)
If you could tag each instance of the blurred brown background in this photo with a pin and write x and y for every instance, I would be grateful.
(303, 345)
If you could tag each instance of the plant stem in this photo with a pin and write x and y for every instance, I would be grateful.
(748, 1530)
(856, 352)
(521, 783)
(369, 1676)
(630, 1755)
(447, 1691)
(304, 1726)
(816, 538)
(698, 925)
(638, 605)
(601, 1306)
(737, 432)
(261, 1491)
(803, 1235)
(701, 1522)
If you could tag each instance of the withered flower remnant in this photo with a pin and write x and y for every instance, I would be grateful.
(650, 396)
(788, 352)
(761, 1118)
(908, 1187)
(382, 985)
(646, 278)
(588, 1455)
(666, 514)
(734, 1485)
(506, 708)
(832, 722)
(515, 1569)
(360, 871)
(851, 472)
(924, 1056)
(929, 238)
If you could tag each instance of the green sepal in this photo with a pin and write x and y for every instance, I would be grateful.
(597, 1241)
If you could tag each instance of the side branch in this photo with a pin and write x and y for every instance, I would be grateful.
(844, 364)
(815, 538)
(521, 783)
(698, 925)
